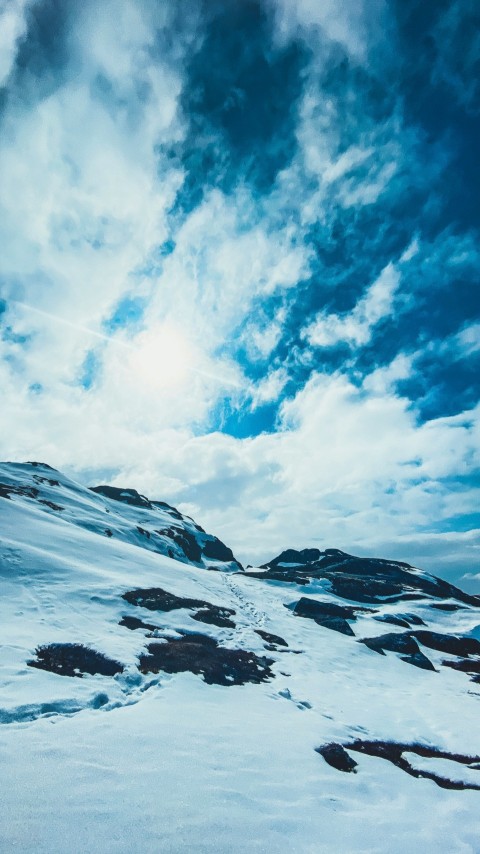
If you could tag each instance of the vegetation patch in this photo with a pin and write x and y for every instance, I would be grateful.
(157, 599)
(74, 659)
(202, 655)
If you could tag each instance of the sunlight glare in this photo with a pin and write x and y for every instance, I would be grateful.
(161, 358)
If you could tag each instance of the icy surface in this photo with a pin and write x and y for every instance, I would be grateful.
(166, 762)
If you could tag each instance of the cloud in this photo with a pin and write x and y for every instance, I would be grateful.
(356, 328)
(349, 467)
(230, 216)
(13, 27)
(467, 341)
(457, 39)
(353, 24)
(269, 388)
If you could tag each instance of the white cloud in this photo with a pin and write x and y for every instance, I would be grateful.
(356, 328)
(354, 24)
(468, 339)
(13, 27)
(269, 388)
(220, 267)
(350, 468)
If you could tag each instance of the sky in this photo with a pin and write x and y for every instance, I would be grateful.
(239, 264)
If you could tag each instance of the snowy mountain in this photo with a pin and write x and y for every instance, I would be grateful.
(156, 696)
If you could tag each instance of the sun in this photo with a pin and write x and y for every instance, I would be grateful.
(161, 357)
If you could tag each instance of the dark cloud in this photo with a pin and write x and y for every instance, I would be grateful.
(43, 58)
(439, 59)
(239, 99)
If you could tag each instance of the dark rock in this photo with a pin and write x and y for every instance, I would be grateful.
(185, 540)
(296, 558)
(466, 665)
(133, 624)
(369, 580)
(202, 655)
(143, 532)
(412, 619)
(216, 616)
(216, 550)
(336, 756)
(336, 624)
(313, 608)
(449, 643)
(402, 642)
(51, 504)
(418, 659)
(327, 614)
(393, 752)
(395, 621)
(275, 640)
(447, 606)
(125, 496)
(7, 490)
(172, 511)
(157, 599)
(74, 659)
(368, 590)
(51, 482)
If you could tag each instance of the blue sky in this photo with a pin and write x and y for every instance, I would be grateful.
(239, 265)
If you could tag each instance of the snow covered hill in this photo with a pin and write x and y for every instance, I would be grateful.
(154, 696)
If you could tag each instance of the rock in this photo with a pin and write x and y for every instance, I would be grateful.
(157, 599)
(327, 614)
(395, 621)
(418, 659)
(413, 619)
(125, 496)
(57, 507)
(202, 655)
(216, 616)
(275, 640)
(214, 549)
(395, 642)
(7, 490)
(336, 756)
(447, 606)
(393, 752)
(465, 665)
(369, 580)
(185, 540)
(133, 624)
(449, 643)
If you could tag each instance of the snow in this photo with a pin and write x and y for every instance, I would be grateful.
(149, 763)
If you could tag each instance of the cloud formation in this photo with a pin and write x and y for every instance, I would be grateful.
(356, 328)
(239, 264)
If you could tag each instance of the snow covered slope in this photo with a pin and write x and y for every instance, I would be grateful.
(121, 514)
(321, 703)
